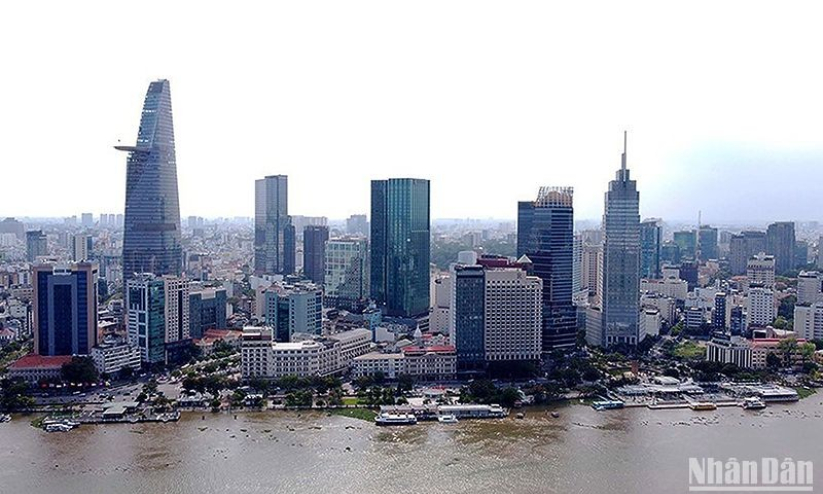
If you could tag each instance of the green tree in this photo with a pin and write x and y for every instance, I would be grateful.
(79, 370)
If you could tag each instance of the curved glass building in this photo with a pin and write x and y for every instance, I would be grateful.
(151, 238)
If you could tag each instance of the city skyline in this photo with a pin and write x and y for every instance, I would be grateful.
(522, 100)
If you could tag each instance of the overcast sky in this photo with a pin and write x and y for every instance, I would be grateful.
(723, 102)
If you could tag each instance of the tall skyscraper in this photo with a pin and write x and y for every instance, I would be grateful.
(400, 245)
(545, 234)
(650, 243)
(314, 252)
(780, 243)
(271, 218)
(742, 247)
(158, 314)
(81, 246)
(65, 309)
(707, 243)
(151, 237)
(687, 241)
(346, 279)
(36, 245)
(618, 323)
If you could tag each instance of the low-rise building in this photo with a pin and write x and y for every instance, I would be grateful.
(735, 350)
(34, 368)
(114, 355)
(389, 365)
(435, 363)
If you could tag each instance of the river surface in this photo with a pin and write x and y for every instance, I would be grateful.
(582, 451)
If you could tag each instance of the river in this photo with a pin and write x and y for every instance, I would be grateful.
(582, 451)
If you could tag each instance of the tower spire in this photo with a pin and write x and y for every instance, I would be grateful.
(625, 150)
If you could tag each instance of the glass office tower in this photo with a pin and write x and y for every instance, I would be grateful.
(151, 237)
(401, 249)
(545, 234)
(621, 261)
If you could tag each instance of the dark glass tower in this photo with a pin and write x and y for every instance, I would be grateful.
(650, 244)
(314, 252)
(401, 249)
(151, 237)
(271, 218)
(780, 242)
(545, 233)
(65, 309)
(621, 261)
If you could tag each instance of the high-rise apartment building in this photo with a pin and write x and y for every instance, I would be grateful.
(545, 234)
(618, 320)
(314, 252)
(64, 309)
(81, 246)
(401, 246)
(151, 237)
(760, 270)
(36, 245)
(761, 309)
(809, 287)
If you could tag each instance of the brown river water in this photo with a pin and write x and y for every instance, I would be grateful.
(582, 451)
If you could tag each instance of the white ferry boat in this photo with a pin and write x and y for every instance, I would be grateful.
(447, 419)
(753, 403)
(395, 419)
(58, 428)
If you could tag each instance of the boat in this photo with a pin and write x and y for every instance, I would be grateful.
(395, 419)
(555, 415)
(447, 419)
(607, 405)
(521, 415)
(753, 403)
(702, 405)
(58, 428)
(5, 418)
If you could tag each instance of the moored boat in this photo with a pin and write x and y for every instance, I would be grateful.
(447, 419)
(395, 419)
(753, 403)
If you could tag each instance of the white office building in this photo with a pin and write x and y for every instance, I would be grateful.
(760, 270)
(760, 306)
(513, 315)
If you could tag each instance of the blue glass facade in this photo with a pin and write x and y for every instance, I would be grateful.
(621, 262)
(207, 310)
(65, 309)
(151, 236)
(273, 252)
(650, 244)
(314, 252)
(545, 233)
(468, 318)
(401, 249)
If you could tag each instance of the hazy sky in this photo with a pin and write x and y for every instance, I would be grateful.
(723, 102)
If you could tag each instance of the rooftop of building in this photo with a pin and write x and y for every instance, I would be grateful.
(34, 361)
